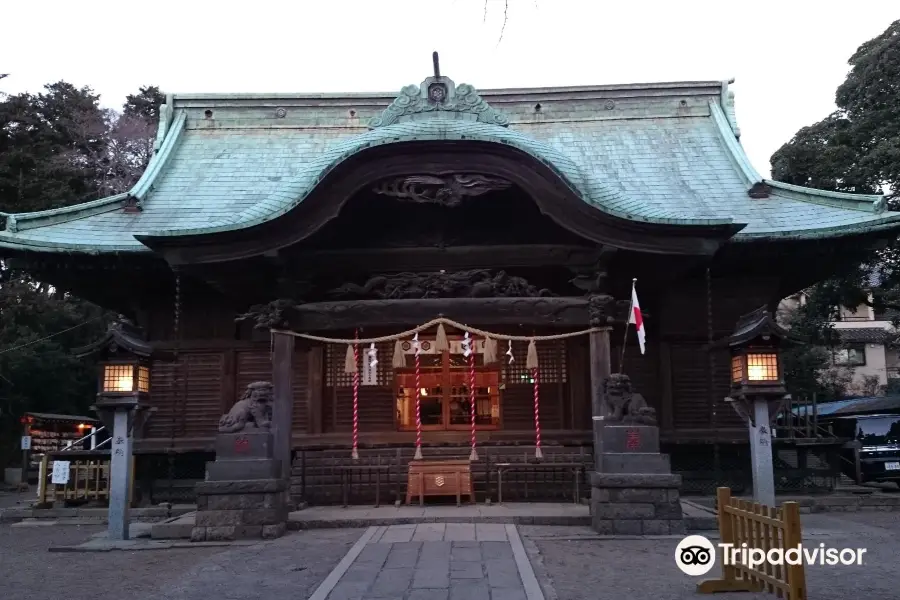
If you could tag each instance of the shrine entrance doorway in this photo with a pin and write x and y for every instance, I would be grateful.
(443, 390)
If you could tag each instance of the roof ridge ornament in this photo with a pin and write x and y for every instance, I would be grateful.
(439, 97)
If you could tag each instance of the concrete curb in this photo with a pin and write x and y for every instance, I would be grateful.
(302, 524)
(146, 546)
(863, 502)
(691, 523)
(89, 515)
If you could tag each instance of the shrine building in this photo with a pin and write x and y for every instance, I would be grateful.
(363, 215)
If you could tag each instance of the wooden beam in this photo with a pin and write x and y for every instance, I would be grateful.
(323, 316)
(398, 260)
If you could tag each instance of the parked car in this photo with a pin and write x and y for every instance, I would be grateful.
(877, 439)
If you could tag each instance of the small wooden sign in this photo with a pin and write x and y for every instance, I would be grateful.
(60, 474)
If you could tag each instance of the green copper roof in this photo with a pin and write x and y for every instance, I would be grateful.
(666, 153)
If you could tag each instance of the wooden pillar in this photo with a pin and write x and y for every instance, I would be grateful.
(666, 405)
(282, 389)
(601, 367)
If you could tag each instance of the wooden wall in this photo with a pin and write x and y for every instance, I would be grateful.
(218, 360)
(208, 383)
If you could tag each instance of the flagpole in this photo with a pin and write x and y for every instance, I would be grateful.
(627, 323)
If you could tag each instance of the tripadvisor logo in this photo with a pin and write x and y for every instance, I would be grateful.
(695, 555)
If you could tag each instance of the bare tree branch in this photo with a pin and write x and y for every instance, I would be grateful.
(505, 17)
(111, 148)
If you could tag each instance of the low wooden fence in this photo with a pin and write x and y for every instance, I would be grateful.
(88, 478)
(764, 528)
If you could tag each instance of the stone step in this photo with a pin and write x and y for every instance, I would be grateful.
(177, 528)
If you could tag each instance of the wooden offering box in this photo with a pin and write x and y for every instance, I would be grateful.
(439, 478)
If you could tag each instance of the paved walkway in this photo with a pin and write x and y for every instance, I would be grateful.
(434, 561)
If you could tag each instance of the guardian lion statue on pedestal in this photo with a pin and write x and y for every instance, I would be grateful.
(253, 410)
(625, 405)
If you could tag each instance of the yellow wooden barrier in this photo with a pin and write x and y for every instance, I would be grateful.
(765, 528)
(88, 480)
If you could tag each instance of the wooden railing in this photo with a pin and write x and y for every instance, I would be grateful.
(764, 528)
(799, 419)
(88, 479)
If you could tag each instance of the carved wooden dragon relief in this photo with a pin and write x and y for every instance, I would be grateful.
(446, 190)
(478, 283)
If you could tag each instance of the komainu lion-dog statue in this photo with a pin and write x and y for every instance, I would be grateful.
(624, 404)
(253, 410)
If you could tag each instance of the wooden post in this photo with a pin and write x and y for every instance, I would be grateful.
(796, 574)
(600, 371)
(726, 528)
(666, 403)
(26, 459)
(283, 407)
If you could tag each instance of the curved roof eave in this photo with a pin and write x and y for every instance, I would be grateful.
(884, 224)
(12, 242)
(23, 221)
(870, 203)
(431, 129)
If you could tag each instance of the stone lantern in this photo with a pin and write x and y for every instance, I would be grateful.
(757, 389)
(122, 404)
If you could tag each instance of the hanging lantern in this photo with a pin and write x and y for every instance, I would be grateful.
(755, 347)
(125, 363)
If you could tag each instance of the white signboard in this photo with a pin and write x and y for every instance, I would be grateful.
(369, 373)
(26, 442)
(60, 473)
(370, 366)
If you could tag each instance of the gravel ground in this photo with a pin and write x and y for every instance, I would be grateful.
(28, 570)
(589, 569)
(291, 567)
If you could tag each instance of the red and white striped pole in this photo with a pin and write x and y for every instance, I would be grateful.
(417, 348)
(355, 454)
(474, 454)
(535, 375)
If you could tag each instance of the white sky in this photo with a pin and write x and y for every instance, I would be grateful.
(787, 56)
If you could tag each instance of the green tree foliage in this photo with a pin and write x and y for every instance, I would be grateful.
(45, 142)
(144, 105)
(38, 374)
(808, 368)
(855, 149)
(57, 148)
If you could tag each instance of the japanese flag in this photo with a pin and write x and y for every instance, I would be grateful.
(636, 317)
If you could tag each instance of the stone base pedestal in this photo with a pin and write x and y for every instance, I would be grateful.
(243, 496)
(633, 491)
(234, 510)
(636, 504)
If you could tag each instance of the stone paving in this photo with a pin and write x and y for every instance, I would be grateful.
(434, 561)
(573, 563)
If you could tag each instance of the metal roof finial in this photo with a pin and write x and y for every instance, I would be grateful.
(437, 64)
